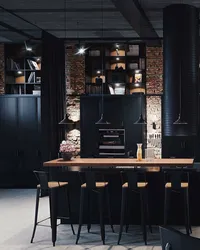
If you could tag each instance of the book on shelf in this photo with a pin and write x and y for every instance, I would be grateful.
(33, 65)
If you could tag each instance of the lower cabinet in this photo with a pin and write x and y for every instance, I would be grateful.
(20, 140)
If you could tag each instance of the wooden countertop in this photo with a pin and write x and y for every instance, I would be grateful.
(116, 162)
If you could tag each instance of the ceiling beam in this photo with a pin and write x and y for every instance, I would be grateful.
(11, 28)
(136, 17)
(73, 29)
(61, 10)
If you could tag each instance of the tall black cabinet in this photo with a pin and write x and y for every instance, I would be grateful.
(121, 111)
(20, 146)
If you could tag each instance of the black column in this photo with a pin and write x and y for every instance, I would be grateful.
(180, 44)
(53, 94)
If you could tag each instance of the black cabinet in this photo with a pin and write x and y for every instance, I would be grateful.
(178, 146)
(20, 137)
(121, 111)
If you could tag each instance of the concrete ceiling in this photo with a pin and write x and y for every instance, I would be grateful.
(22, 20)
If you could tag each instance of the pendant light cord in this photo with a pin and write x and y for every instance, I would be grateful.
(102, 94)
(180, 89)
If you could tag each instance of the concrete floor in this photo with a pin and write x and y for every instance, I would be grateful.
(16, 224)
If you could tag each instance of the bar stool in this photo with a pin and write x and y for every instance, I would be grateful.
(101, 189)
(177, 180)
(47, 187)
(136, 182)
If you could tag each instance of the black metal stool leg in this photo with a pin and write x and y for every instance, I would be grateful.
(127, 211)
(69, 209)
(143, 216)
(88, 210)
(186, 211)
(109, 208)
(147, 209)
(123, 204)
(50, 209)
(80, 214)
(36, 212)
(101, 206)
(53, 193)
(166, 205)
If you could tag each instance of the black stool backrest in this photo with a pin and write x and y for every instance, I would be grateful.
(176, 176)
(42, 178)
(175, 240)
(133, 176)
(90, 179)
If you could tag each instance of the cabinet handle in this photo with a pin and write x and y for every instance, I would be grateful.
(38, 153)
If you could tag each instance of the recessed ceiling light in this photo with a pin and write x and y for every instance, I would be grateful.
(117, 58)
(98, 72)
(19, 72)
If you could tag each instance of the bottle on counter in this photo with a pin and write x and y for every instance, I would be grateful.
(139, 151)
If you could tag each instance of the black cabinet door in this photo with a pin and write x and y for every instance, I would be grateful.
(8, 135)
(89, 115)
(29, 133)
(133, 133)
(178, 146)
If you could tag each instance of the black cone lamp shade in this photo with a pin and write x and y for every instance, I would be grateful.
(180, 121)
(102, 121)
(141, 120)
(66, 121)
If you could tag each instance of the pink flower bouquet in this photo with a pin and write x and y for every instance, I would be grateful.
(67, 150)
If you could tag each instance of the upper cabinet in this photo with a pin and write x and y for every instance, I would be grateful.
(118, 68)
(23, 68)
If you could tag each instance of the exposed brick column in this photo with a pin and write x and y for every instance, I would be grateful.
(154, 85)
(2, 70)
(75, 86)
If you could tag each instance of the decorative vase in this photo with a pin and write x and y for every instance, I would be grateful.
(66, 156)
(139, 151)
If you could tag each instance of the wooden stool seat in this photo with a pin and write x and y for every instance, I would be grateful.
(54, 184)
(97, 184)
(139, 184)
(183, 185)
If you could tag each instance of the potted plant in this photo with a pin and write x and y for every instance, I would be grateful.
(67, 150)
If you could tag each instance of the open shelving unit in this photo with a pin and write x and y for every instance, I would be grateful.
(124, 65)
(22, 69)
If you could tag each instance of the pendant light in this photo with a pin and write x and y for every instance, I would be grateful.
(180, 121)
(66, 120)
(140, 120)
(102, 120)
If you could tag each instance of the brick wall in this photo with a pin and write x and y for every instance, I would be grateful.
(2, 70)
(154, 84)
(75, 86)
